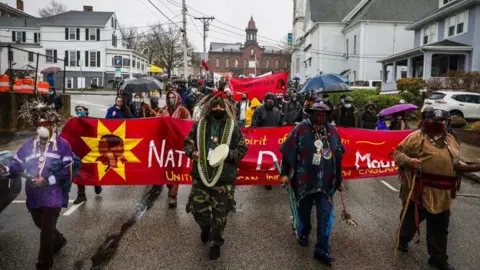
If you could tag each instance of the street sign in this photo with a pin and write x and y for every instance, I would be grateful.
(117, 60)
(118, 73)
(290, 38)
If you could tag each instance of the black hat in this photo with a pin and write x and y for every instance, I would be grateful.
(435, 114)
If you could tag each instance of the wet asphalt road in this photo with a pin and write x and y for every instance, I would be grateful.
(258, 236)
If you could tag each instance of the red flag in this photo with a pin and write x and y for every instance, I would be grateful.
(258, 87)
(204, 64)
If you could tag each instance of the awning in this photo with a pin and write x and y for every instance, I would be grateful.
(155, 69)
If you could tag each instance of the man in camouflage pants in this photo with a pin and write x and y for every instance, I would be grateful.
(212, 190)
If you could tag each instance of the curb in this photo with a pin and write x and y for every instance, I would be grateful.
(472, 176)
(91, 94)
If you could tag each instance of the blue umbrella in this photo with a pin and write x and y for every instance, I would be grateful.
(329, 83)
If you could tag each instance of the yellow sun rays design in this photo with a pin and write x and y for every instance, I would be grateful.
(129, 145)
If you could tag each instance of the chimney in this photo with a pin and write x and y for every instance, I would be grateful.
(88, 8)
(20, 5)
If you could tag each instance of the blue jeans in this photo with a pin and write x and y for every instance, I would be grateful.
(324, 220)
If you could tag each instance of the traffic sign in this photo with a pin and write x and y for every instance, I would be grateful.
(117, 62)
(290, 38)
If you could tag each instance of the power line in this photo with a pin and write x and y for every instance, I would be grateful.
(165, 15)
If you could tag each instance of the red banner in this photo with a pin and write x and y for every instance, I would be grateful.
(258, 87)
(150, 151)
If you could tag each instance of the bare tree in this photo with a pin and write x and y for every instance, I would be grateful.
(130, 36)
(287, 49)
(53, 8)
(164, 47)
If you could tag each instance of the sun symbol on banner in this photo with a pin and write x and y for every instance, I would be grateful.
(111, 150)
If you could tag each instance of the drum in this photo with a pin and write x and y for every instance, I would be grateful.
(219, 155)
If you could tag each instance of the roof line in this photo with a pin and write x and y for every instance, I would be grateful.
(427, 48)
(18, 11)
(354, 11)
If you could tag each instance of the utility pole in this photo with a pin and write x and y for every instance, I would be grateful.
(205, 21)
(185, 55)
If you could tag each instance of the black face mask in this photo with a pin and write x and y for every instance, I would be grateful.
(269, 105)
(218, 114)
(244, 98)
(154, 105)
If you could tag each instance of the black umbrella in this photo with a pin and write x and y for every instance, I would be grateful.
(141, 85)
(179, 81)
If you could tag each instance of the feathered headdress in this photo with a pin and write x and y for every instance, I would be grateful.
(38, 113)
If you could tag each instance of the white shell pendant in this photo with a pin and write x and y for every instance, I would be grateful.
(318, 144)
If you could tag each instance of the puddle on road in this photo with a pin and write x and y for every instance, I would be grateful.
(107, 250)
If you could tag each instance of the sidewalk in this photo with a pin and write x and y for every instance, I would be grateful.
(91, 92)
(471, 153)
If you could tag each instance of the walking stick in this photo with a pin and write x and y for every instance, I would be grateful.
(345, 214)
(292, 201)
(395, 251)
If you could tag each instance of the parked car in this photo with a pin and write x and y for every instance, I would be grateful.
(370, 84)
(10, 187)
(464, 104)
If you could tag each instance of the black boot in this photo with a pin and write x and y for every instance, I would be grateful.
(214, 252)
(403, 247)
(59, 244)
(98, 190)
(324, 259)
(172, 202)
(440, 265)
(205, 234)
(80, 198)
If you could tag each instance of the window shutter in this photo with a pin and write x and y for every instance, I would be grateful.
(78, 33)
(86, 58)
(98, 34)
(66, 33)
(66, 58)
(14, 35)
(35, 39)
(24, 36)
(98, 59)
(78, 58)
(86, 34)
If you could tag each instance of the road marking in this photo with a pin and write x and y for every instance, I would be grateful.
(389, 186)
(20, 201)
(72, 209)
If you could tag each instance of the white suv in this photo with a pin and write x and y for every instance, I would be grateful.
(464, 104)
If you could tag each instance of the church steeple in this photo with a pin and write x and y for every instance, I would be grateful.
(251, 33)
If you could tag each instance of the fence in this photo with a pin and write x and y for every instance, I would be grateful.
(24, 70)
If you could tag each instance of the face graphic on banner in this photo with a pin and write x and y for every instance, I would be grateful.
(111, 150)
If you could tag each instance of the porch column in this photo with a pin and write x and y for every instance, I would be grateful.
(468, 62)
(394, 75)
(384, 73)
(427, 65)
(410, 67)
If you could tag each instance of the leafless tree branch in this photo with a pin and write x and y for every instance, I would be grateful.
(53, 8)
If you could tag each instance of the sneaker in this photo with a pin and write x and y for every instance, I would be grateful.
(440, 265)
(324, 259)
(98, 190)
(205, 234)
(172, 202)
(81, 198)
(268, 187)
(214, 252)
(59, 245)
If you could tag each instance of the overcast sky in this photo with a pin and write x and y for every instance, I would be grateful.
(273, 17)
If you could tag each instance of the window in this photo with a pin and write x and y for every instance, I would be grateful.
(354, 76)
(30, 56)
(267, 63)
(72, 56)
(277, 64)
(252, 52)
(69, 83)
(143, 66)
(72, 33)
(133, 62)
(235, 62)
(36, 38)
(93, 59)
(126, 62)
(429, 34)
(19, 36)
(227, 62)
(114, 40)
(467, 98)
(446, 2)
(245, 63)
(457, 24)
(346, 46)
(258, 64)
(138, 64)
(50, 56)
(92, 34)
(217, 62)
(355, 44)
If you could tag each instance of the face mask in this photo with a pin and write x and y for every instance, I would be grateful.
(286, 98)
(317, 119)
(434, 127)
(193, 91)
(244, 98)
(136, 100)
(218, 114)
(294, 99)
(348, 105)
(171, 102)
(399, 118)
(81, 113)
(43, 132)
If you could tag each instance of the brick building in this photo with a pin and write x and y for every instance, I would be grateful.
(241, 58)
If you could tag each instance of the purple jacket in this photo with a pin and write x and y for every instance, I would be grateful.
(51, 194)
